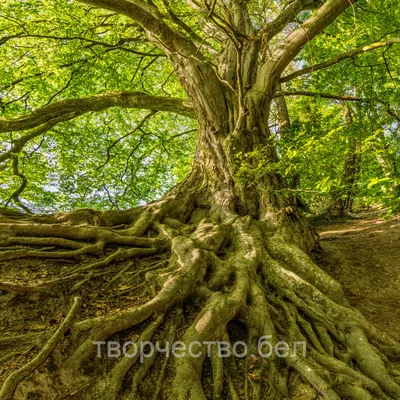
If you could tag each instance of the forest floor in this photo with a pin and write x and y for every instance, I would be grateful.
(363, 254)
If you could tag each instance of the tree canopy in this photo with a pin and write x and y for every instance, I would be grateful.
(80, 126)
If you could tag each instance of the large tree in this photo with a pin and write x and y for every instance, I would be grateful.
(232, 257)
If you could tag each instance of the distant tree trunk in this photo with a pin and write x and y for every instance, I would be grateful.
(389, 160)
(343, 197)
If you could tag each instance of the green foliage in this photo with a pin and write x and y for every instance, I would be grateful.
(314, 150)
(53, 50)
(315, 146)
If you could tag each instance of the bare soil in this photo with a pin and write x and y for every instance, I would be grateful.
(363, 254)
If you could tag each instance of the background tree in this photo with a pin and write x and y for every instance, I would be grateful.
(228, 256)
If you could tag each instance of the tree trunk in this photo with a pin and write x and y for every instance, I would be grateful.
(343, 197)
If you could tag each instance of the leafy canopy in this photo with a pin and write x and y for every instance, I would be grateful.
(52, 50)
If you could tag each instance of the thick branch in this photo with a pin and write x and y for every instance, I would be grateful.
(150, 18)
(288, 15)
(272, 69)
(47, 117)
(340, 57)
(68, 109)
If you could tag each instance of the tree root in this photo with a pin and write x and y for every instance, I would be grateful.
(222, 276)
(170, 337)
(14, 254)
(12, 381)
(120, 370)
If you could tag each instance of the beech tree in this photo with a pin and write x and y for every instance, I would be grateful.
(229, 260)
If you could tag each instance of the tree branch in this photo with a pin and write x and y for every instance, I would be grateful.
(340, 57)
(187, 29)
(317, 94)
(150, 18)
(109, 46)
(288, 15)
(47, 117)
(271, 70)
(115, 142)
(196, 74)
(24, 182)
(68, 109)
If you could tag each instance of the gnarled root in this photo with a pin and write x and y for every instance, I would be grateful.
(213, 284)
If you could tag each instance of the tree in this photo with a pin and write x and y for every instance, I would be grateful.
(234, 254)
(343, 197)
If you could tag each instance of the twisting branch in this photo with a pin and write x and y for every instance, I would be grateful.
(47, 117)
(225, 26)
(340, 57)
(62, 89)
(150, 18)
(24, 182)
(271, 70)
(193, 35)
(288, 15)
(18, 144)
(67, 109)
(138, 127)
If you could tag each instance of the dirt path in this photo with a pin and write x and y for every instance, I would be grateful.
(364, 255)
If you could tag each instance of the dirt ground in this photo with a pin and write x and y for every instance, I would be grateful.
(363, 254)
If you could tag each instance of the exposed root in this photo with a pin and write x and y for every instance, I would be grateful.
(170, 337)
(50, 241)
(312, 376)
(229, 280)
(120, 370)
(218, 373)
(13, 354)
(28, 338)
(12, 381)
(119, 255)
(14, 254)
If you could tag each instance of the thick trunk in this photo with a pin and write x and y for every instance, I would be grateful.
(216, 164)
